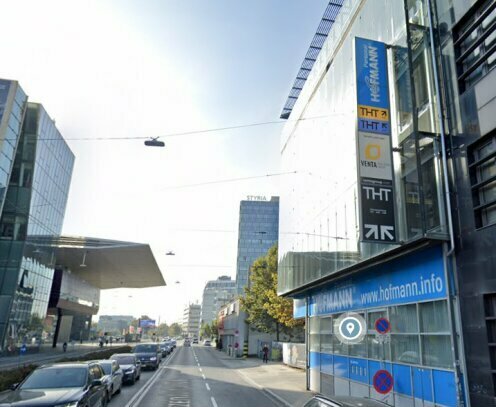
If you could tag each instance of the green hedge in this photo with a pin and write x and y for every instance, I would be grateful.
(17, 375)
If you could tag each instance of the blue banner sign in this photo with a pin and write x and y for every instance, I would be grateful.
(418, 277)
(147, 323)
(371, 69)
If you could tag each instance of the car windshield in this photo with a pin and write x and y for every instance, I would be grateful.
(107, 367)
(124, 360)
(56, 377)
(145, 348)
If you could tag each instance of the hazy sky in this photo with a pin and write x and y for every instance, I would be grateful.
(149, 68)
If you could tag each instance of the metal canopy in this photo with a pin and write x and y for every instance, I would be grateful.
(102, 263)
(330, 14)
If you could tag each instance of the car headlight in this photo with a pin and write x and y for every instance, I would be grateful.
(153, 358)
(71, 404)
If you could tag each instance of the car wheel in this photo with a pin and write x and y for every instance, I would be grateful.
(110, 393)
(139, 376)
(119, 391)
(133, 380)
(104, 399)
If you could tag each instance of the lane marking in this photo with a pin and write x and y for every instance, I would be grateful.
(214, 402)
(200, 369)
(136, 399)
(208, 387)
(204, 378)
(198, 364)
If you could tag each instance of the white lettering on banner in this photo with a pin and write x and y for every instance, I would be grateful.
(383, 193)
(330, 301)
(372, 81)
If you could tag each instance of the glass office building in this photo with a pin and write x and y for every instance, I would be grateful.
(34, 206)
(390, 214)
(216, 294)
(257, 233)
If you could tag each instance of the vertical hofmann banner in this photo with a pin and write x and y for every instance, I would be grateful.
(375, 169)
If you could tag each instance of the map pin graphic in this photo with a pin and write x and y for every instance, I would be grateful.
(350, 327)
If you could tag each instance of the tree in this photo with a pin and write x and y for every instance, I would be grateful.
(266, 310)
(175, 329)
(163, 329)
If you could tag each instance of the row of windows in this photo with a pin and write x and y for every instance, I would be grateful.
(475, 44)
(482, 165)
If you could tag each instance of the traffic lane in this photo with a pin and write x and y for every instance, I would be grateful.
(226, 385)
(129, 390)
(180, 385)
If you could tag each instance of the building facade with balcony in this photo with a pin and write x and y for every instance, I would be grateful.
(216, 294)
(392, 137)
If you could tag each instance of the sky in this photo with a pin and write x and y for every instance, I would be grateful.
(123, 69)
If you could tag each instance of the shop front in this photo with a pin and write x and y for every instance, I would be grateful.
(405, 355)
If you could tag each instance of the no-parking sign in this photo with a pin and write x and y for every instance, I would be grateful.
(383, 382)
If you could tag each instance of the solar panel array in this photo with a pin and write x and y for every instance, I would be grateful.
(330, 14)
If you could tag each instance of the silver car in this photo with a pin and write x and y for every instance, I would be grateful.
(113, 376)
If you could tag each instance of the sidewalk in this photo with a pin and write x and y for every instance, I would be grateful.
(284, 383)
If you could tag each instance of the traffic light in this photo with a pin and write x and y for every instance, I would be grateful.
(154, 143)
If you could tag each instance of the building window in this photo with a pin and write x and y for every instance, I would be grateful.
(475, 43)
(482, 165)
(490, 314)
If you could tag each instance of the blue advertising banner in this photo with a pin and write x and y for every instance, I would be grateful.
(418, 277)
(372, 79)
(147, 323)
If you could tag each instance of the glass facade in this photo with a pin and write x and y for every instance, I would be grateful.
(34, 206)
(12, 107)
(320, 205)
(258, 232)
(216, 294)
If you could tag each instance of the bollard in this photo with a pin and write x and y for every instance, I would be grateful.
(245, 350)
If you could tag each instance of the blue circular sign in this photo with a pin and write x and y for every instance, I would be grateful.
(383, 382)
(23, 349)
(382, 325)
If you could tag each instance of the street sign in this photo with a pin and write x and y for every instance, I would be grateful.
(23, 349)
(383, 326)
(383, 382)
(350, 328)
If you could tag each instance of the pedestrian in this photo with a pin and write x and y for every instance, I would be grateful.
(265, 351)
(64, 346)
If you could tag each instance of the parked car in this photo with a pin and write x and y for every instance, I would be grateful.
(149, 355)
(173, 343)
(195, 340)
(187, 342)
(60, 384)
(343, 401)
(113, 376)
(130, 365)
(165, 348)
(207, 342)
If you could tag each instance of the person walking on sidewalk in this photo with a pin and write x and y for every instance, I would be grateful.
(265, 351)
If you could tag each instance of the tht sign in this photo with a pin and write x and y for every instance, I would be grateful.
(383, 382)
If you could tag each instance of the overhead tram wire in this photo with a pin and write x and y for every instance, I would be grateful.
(188, 133)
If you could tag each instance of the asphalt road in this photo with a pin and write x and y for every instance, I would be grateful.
(193, 377)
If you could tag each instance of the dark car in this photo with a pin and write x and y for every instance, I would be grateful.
(343, 401)
(130, 365)
(149, 355)
(61, 384)
(166, 348)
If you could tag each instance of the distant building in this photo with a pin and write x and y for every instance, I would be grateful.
(215, 294)
(191, 320)
(114, 323)
(258, 232)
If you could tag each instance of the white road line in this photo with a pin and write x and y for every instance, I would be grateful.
(208, 387)
(198, 364)
(214, 403)
(134, 402)
(200, 369)
(204, 378)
